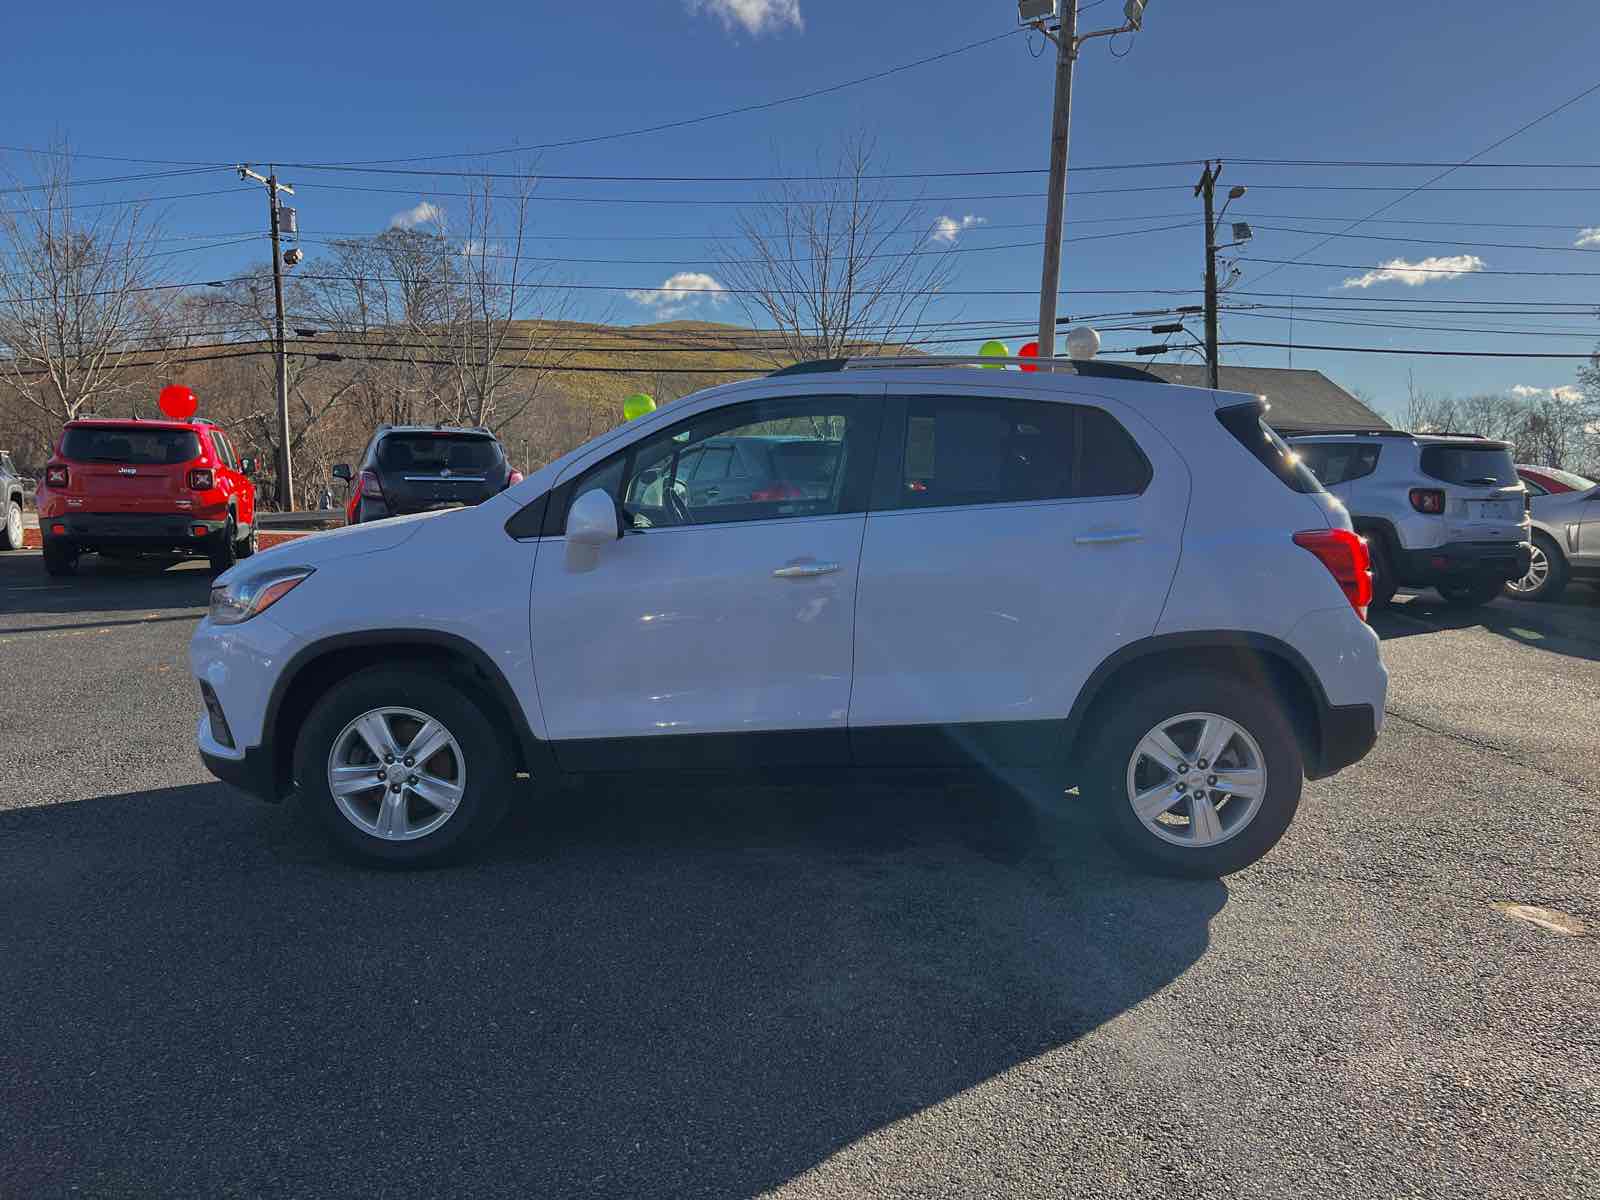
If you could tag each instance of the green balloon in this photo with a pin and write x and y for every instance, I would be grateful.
(637, 405)
(995, 349)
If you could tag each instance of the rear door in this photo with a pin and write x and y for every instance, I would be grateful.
(1013, 545)
(127, 468)
(1483, 492)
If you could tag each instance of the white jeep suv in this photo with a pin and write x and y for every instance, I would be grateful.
(863, 563)
(1446, 511)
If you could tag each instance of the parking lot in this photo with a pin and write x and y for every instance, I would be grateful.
(899, 987)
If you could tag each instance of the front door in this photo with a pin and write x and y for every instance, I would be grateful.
(717, 630)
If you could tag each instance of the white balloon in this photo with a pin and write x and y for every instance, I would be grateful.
(1083, 342)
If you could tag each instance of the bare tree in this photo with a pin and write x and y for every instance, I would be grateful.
(835, 266)
(80, 294)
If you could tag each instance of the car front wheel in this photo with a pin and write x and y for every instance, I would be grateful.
(1197, 775)
(11, 528)
(401, 767)
(1547, 572)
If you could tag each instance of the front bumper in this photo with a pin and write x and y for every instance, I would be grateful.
(249, 771)
(143, 531)
(1462, 561)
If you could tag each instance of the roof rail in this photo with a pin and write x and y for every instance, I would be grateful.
(1349, 432)
(1076, 366)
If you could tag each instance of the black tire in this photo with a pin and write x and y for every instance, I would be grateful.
(245, 546)
(225, 549)
(11, 526)
(1125, 724)
(1474, 594)
(489, 776)
(1383, 583)
(60, 558)
(1556, 575)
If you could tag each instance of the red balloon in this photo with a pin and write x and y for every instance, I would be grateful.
(1031, 350)
(178, 402)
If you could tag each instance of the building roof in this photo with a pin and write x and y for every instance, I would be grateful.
(1299, 400)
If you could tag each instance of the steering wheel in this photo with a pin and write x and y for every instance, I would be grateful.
(678, 503)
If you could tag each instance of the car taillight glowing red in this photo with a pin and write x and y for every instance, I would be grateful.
(1345, 555)
(515, 478)
(370, 487)
(1427, 500)
(201, 479)
(55, 476)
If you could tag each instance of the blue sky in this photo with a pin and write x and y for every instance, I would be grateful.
(1254, 79)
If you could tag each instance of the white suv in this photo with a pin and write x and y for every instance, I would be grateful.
(1446, 511)
(876, 563)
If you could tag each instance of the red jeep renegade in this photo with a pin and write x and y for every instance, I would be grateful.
(126, 487)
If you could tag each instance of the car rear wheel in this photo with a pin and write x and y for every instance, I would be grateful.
(245, 546)
(1383, 585)
(11, 529)
(401, 767)
(60, 558)
(1471, 595)
(225, 550)
(1547, 572)
(1197, 775)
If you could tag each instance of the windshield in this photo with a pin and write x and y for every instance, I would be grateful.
(130, 444)
(433, 452)
(1572, 479)
(1486, 466)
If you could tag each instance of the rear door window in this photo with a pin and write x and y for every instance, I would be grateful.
(1470, 466)
(976, 450)
(130, 444)
(1339, 462)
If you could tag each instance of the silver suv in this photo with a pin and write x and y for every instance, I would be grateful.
(1446, 511)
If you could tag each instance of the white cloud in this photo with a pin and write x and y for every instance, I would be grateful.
(680, 292)
(755, 17)
(1413, 274)
(1589, 236)
(948, 229)
(425, 212)
(1566, 391)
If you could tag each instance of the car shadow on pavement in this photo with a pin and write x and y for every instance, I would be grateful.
(635, 992)
(1569, 629)
(100, 586)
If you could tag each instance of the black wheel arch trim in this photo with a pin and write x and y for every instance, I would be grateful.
(535, 754)
(1233, 641)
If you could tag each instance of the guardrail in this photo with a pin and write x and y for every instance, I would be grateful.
(297, 520)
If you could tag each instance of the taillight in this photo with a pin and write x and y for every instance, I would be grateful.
(1527, 501)
(515, 478)
(778, 491)
(55, 476)
(1427, 500)
(370, 487)
(201, 479)
(1345, 555)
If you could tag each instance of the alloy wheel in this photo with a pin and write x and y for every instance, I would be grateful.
(1196, 779)
(1538, 573)
(396, 773)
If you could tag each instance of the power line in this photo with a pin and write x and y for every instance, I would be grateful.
(686, 121)
(1412, 270)
(743, 202)
(162, 162)
(1590, 90)
(1384, 237)
(1428, 353)
(106, 180)
(542, 176)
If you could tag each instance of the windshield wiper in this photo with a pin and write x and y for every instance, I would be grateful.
(1484, 479)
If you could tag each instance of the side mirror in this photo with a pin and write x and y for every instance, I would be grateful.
(247, 465)
(592, 520)
(342, 471)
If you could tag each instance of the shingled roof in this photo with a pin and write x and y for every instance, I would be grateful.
(1300, 400)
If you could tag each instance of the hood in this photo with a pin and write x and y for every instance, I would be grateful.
(316, 549)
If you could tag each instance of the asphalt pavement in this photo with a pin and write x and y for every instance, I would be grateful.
(899, 987)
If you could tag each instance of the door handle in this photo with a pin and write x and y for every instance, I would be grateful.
(805, 570)
(713, 493)
(1107, 539)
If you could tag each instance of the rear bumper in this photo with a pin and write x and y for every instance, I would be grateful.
(146, 531)
(1349, 731)
(1459, 561)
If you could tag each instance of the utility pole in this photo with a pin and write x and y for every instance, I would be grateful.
(1056, 199)
(281, 355)
(1036, 14)
(1207, 187)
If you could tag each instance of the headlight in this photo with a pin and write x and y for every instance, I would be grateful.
(250, 595)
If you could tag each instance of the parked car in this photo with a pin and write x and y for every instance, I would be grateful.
(1002, 570)
(127, 487)
(1548, 481)
(11, 496)
(420, 468)
(1445, 511)
(1566, 545)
